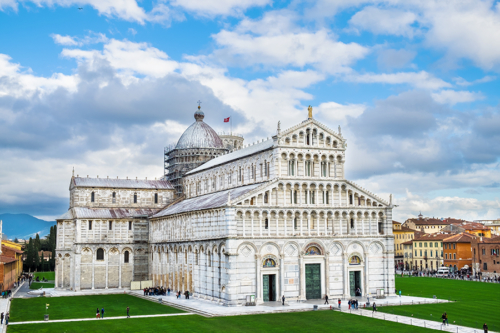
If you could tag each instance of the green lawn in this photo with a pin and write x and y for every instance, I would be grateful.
(51, 276)
(475, 302)
(313, 321)
(38, 285)
(30, 309)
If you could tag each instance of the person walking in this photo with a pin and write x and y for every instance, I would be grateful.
(128, 312)
(283, 300)
(326, 299)
(374, 307)
(102, 313)
(7, 317)
(98, 314)
(168, 291)
(485, 328)
(1, 318)
(340, 302)
(399, 292)
(349, 304)
(446, 319)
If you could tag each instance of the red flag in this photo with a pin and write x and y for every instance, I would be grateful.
(226, 120)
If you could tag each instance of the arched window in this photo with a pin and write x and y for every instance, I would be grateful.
(291, 168)
(308, 168)
(295, 197)
(156, 198)
(295, 224)
(352, 223)
(266, 224)
(100, 254)
(135, 197)
(114, 197)
(209, 257)
(126, 256)
(266, 198)
(92, 197)
(313, 250)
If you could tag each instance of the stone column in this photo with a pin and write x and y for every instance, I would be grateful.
(258, 292)
(62, 272)
(251, 212)
(326, 223)
(282, 276)
(346, 275)
(366, 281)
(284, 221)
(120, 269)
(106, 257)
(260, 223)
(57, 271)
(77, 269)
(243, 221)
(327, 273)
(302, 281)
(93, 268)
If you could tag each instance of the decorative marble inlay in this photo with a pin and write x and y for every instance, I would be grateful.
(246, 251)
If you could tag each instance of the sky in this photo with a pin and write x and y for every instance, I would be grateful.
(103, 86)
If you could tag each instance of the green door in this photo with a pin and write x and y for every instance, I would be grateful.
(313, 281)
(265, 287)
(352, 283)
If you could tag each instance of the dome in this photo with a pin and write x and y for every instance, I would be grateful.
(199, 135)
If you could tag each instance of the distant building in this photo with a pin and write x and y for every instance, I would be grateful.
(457, 251)
(401, 235)
(408, 255)
(428, 251)
(494, 225)
(486, 256)
(472, 228)
(11, 263)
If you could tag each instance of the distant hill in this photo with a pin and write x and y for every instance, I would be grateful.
(24, 226)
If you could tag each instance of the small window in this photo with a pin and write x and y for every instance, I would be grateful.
(350, 199)
(129, 225)
(114, 197)
(135, 197)
(266, 198)
(90, 225)
(100, 254)
(266, 224)
(156, 198)
(352, 223)
(110, 225)
(92, 197)
(454, 246)
(454, 256)
(485, 267)
(295, 224)
(126, 256)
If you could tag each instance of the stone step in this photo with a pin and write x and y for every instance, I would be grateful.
(175, 305)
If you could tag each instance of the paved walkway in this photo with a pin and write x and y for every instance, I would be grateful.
(94, 319)
(416, 322)
(210, 308)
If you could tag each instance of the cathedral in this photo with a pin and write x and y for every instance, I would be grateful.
(233, 223)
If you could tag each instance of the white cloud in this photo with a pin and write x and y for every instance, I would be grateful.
(64, 40)
(129, 57)
(218, 7)
(453, 97)
(336, 113)
(391, 59)
(464, 83)
(385, 21)
(132, 31)
(421, 80)
(299, 49)
(91, 38)
(24, 83)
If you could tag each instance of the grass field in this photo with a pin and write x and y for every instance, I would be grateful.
(314, 321)
(51, 276)
(475, 303)
(38, 285)
(30, 309)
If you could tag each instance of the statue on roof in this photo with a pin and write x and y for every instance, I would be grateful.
(310, 109)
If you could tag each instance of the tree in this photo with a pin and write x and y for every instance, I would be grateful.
(29, 255)
(36, 261)
(42, 264)
(16, 240)
(37, 242)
